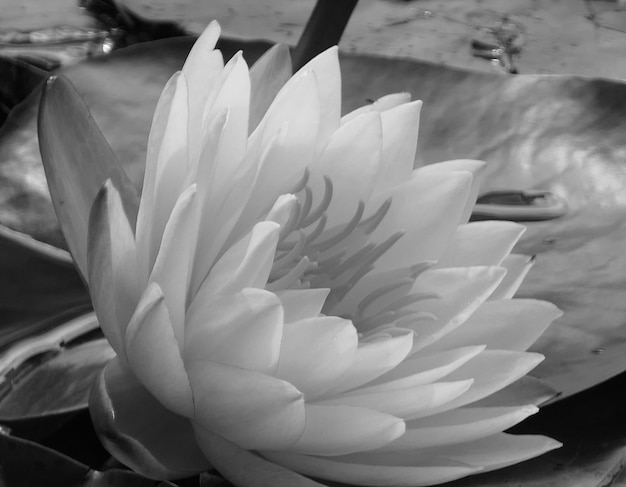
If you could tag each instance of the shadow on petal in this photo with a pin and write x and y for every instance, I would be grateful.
(137, 430)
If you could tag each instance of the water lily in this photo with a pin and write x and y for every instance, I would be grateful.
(288, 285)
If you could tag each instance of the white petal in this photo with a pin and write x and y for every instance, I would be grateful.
(147, 202)
(493, 452)
(315, 352)
(506, 324)
(268, 75)
(338, 430)
(233, 95)
(202, 70)
(481, 243)
(325, 66)
(243, 329)
(139, 431)
(526, 390)
(153, 353)
(427, 209)
(462, 291)
(283, 145)
(517, 267)
(173, 263)
(491, 370)
(350, 471)
(423, 369)
(196, 59)
(384, 103)
(373, 360)
(352, 161)
(300, 304)
(406, 403)
(245, 264)
(400, 129)
(458, 426)
(251, 409)
(476, 168)
(111, 258)
(171, 168)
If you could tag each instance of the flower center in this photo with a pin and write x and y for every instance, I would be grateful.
(309, 255)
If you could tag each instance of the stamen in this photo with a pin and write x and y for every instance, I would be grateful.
(290, 256)
(323, 206)
(317, 231)
(373, 297)
(343, 233)
(299, 186)
(371, 223)
(409, 299)
(290, 280)
(306, 206)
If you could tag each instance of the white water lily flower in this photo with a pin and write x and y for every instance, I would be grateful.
(295, 287)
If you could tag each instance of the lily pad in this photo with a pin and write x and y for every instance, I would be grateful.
(559, 133)
(46, 378)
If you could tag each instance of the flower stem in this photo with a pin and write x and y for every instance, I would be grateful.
(323, 30)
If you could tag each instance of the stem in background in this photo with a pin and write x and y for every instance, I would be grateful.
(323, 30)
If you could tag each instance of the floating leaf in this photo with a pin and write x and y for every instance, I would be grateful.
(47, 377)
(37, 281)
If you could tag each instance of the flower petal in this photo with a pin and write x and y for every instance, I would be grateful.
(300, 304)
(338, 430)
(246, 264)
(406, 403)
(423, 369)
(243, 329)
(491, 370)
(352, 161)
(171, 167)
(232, 95)
(350, 471)
(382, 104)
(372, 360)
(400, 129)
(462, 291)
(251, 409)
(245, 468)
(172, 267)
(267, 76)
(325, 66)
(526, 390)
(490, 453)
(517, 267)
(505, 324)
(153, 353)
(77, 160)
(458, 426)
(202, 70)
(475, 167)
(316, 351)
(111, 253)
(148, 193)
(282, 146)
(481, 243)
(138, 431)
(427, 209)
